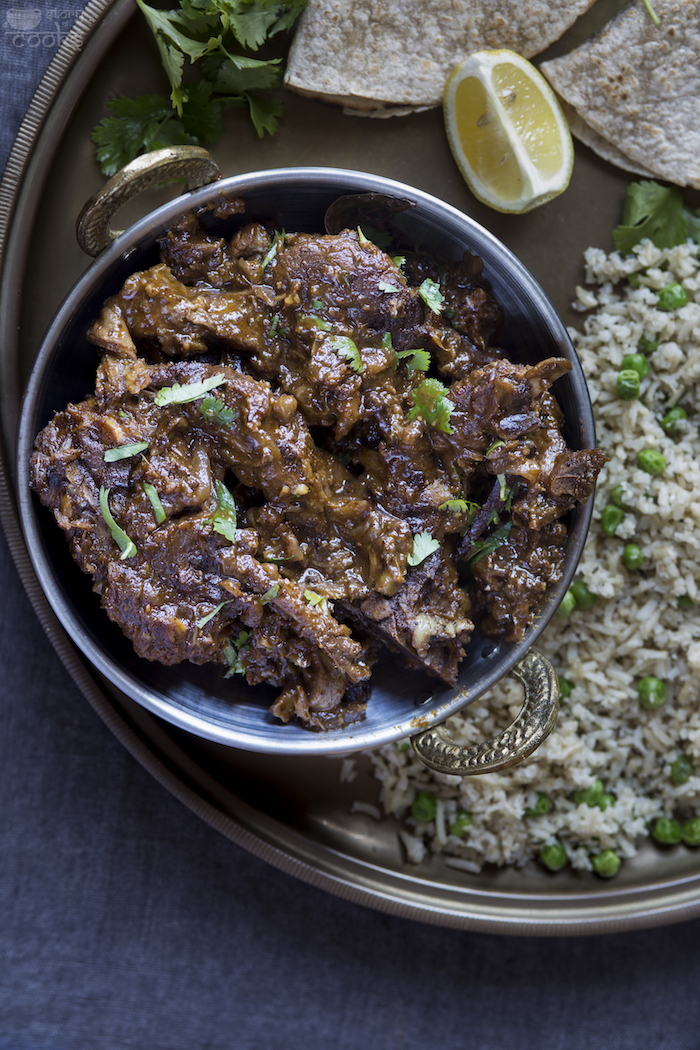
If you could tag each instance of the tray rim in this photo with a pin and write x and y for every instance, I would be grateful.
(670, 900)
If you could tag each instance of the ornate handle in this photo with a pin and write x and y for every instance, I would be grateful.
(192, 163)
(533, 724)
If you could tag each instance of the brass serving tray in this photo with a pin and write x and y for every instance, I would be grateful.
(292, 812)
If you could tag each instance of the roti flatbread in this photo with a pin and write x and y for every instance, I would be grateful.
(637, 85)
(585, 134)
(379, 56)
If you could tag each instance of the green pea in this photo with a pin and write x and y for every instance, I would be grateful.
(671, 297)
(582, 596)
(690, 832)
(542, 806)
(673, 417)
(589, 796)
(566, 687)
(633, 280)
(610, 519)
(647, 346)
(651, 461)
(567, 604)
(553, 856)
(638, 363)
(402, 745)
(632, 556)
(424, 807)
(652, 692)
(606, 864)
(618, 499)
(627, 384)
(685, 602)
(666, 831)
(605, 801)
(681, 770)
(462, 821)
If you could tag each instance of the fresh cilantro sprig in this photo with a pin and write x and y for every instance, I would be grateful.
(657, 212)
(216, 37)
(154, 500)
(431, 402)
(423, 546)
(204, 620)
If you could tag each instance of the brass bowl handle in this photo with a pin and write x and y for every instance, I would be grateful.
(191, 163)
(533, 724)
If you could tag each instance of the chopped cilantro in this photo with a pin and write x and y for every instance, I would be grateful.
(125, 451)
(213, 409)
(361, 236)
(398, 260)
(347, 349)
(459, 506)
(416, 360)
(270, 593)
(317, 599)
(224, 521)
(205, 619)
(423, 546)
(232, 652)
(182, 394)
(503, 493)
(431, 402)
(154, 500)
(384, 286)
(271, 254)
(492, 447)
(431, 295)
(386, 341)
(491, 543)
(126, 546)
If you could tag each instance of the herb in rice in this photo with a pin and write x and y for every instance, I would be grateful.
(613, 765)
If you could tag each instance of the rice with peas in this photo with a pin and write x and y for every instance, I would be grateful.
(635, 629)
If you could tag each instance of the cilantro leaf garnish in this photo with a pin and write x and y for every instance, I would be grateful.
(205, 619)
(317, 599)
(431, 295)
(423, 546)
(432, 403)
(652, 13)
(125, 451)
(126, 545)
(494, 445)
(183, 394)
(416, 360)
(459, 506)
(270, 593)
(213, 409)
(386, 341)
(347, 349)
(384, 286)
(233, 651)
(154, 500)
(225, 519)
(652, 211)
(498, 537)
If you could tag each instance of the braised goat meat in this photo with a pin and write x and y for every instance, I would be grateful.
(300, 448)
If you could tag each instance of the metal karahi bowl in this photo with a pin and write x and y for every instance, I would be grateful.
(403, 702)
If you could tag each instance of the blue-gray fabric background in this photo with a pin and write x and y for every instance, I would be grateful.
(125, 922)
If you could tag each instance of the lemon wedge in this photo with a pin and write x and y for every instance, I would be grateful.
(507, 131)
